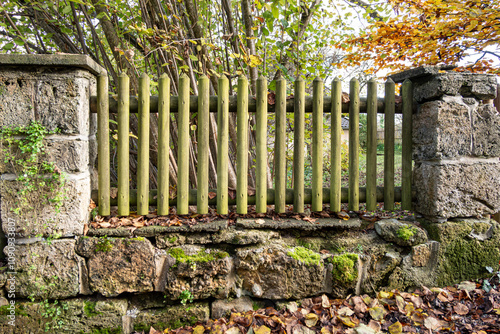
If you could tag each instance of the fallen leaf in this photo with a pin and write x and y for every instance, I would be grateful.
(325, 302)
(377, 313)
(343, 215)
(212, 195)
(461, 309)
(199, 329)
(262, 330)
(396, 328)
(345, 311)
(348, 321)
(311, 319)
(113, 192)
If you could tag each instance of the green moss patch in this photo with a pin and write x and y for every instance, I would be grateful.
(306, 256)
(202, 256)
(345, 268)
(406, 232)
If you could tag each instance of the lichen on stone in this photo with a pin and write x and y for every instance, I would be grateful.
(305, 255)
(344, 267)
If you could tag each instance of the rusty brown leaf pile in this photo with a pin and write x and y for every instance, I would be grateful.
(448, 310)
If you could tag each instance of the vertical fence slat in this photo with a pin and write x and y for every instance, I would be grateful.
(280, 142)
(183, 147)
(242, 146)
(103, 145)
(389, 128)
(371, 145)
(143, 150)
(336, 131)
(163, 144)
(317, 146)
(203, 137)
(261, 149)
(354, 145)
(407, 95)
(123, 145)
(222, 145)
(298, 145)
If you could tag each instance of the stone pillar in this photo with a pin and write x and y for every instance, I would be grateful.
(456, 143)
(55, 91)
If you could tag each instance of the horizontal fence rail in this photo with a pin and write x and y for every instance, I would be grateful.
(233, 104)
(279, 196)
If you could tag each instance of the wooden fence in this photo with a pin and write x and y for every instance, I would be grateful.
(202, 104)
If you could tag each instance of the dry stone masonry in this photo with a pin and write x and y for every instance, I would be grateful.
(120, 280)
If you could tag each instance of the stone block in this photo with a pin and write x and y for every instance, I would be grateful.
(454, 127)
(462, 188)
(479, 86)
(401, 233)
(38, 217)
(171, 317)
(486, 131)
(442, 129)
(48, 270)
(78, 315)
(203, 272)
(59, 98)
(223, 308)
(425, 254)
(467, 247)
(271, 272)
(69, 155)
(117, 265)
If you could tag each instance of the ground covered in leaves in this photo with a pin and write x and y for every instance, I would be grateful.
(469, 307)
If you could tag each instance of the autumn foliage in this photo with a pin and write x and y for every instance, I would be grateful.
(431, 32)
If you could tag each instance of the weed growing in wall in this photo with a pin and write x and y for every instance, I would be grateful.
(23, 150)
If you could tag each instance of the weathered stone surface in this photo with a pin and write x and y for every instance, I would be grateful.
(203, 272)
(56, 97)
(47, 270)
(270, 272)
(376, 267)
(79, 315)
(480, 86)
(230, 235)
(318, 224)
(486, 131)
(152, 231)
(42, 218)
(222, 308)
(424, 254)
(454, 127)
(464, 188)
(419, 73)
(171, 317)
(118, 265)
(68, 155)
(467, 248)
(441, 130)
(401, 233)
(343, 271)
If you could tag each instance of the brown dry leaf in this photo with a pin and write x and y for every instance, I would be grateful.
(311, 319)
(92, 205)
(154, 331)
(345, 311)
(400, 302)
(250, 191)
(434, 324)
(461, 309)
(359, 305)
(345, 97)
(325, 302)
(212, 195)
(231, 193)
(375, 325)
(85, 229)
(271, 98)
(396, 328)
(309, 219)
(113, 192)
(104, 225)
(417, 301)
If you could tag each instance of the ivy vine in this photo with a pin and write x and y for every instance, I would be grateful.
(23, 150)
